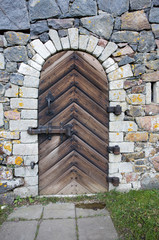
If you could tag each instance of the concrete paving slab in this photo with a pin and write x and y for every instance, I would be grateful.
(27, 212)
(59, 210)
(80, 212)
(23, 230)
(96, 228)
(57, 229)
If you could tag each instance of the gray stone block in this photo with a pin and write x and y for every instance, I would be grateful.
(4, 76)
(44, 37)
(59, 210)
(16, 54)
(16, 38)
(43, 9)
(150, 182)
(96, 228)
(83, 8)
(7, 198)
(125, 60)
(155, 3)
(125, 36)
(101, 25)
(146, 42)
(30, 213)
(60, 23)
(139, 4)
(154, 15)
(38, 28)
(113, 6)
(11, 67)
(63, 5)
(58, 229)
(14, 15)
(17, 79)
(18, 230)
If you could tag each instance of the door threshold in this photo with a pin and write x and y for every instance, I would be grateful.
(60, 196)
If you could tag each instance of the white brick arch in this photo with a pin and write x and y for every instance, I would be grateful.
(31, 71)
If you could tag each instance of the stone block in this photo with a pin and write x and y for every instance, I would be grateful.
(38, 27)
(29, 159)
(125, 147)
(126, 60)
(136, 111)
(18, 15)
(154, 15)
(16, 38)
(122, 104)
(113, 167)
(125, 167)
(138, 89)
(114, 158)
(9, 135)
(26, 171)
(156, 92)
(17, 79)
(17, 160)
(1, 115)
(154, 138)
(102, 42)
(92, 43)
(73, 37)
(60, 23)
(131, 177)
(150, 77)
(16, 54)
(112, 68)
(133, 156)
(12, 115)
(83, 41)
(136, 99)
(116, 137)
(7, 198)
(109, 49)
(65, 43)
(113, 117)
(155, 161)
(150, 181)
(127, 50)
(30, 81)
(152, 109)
(24, 103)
(134, 21)
(98, 50)
(117, 95)
(5, 173)
(29, 114)
(101, 25)
(137, 137)
(40, 48)
(34, 65)
(12, 91)
(148, 123)
(107, 63)
(146, 42)
(123, 126)
(115, 85)
(7, 147)
(31, 181)
(55, 38)
(148, 93)
(122, 72)
(43, 9)
(139, 4)
(112, 6)
(10, 184)
(81, 8)
(2, 62)
(125, 37)
(24, 192)
(50, 47)
(153, 65)
(22, 125)
(25, 92)
(155, 30)
(26, 138)
(37, 58)
(11, 67)
(28, 70)
(25, 149)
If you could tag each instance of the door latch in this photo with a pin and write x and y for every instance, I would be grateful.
(49, 98)
(117, 110)
(115, 149)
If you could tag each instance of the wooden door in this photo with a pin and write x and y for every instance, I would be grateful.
(77, 164)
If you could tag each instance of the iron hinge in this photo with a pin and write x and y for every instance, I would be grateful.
(114, 180)
(117, 110)
(115, 149)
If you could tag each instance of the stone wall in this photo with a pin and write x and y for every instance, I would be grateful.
(124, 39)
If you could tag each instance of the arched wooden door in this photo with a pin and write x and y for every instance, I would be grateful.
(75, 164)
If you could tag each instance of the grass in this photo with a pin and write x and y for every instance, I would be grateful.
(135, 214)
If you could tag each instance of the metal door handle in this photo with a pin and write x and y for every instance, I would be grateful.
(49, 98)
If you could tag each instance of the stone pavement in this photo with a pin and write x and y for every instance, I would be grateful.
(60, 221)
